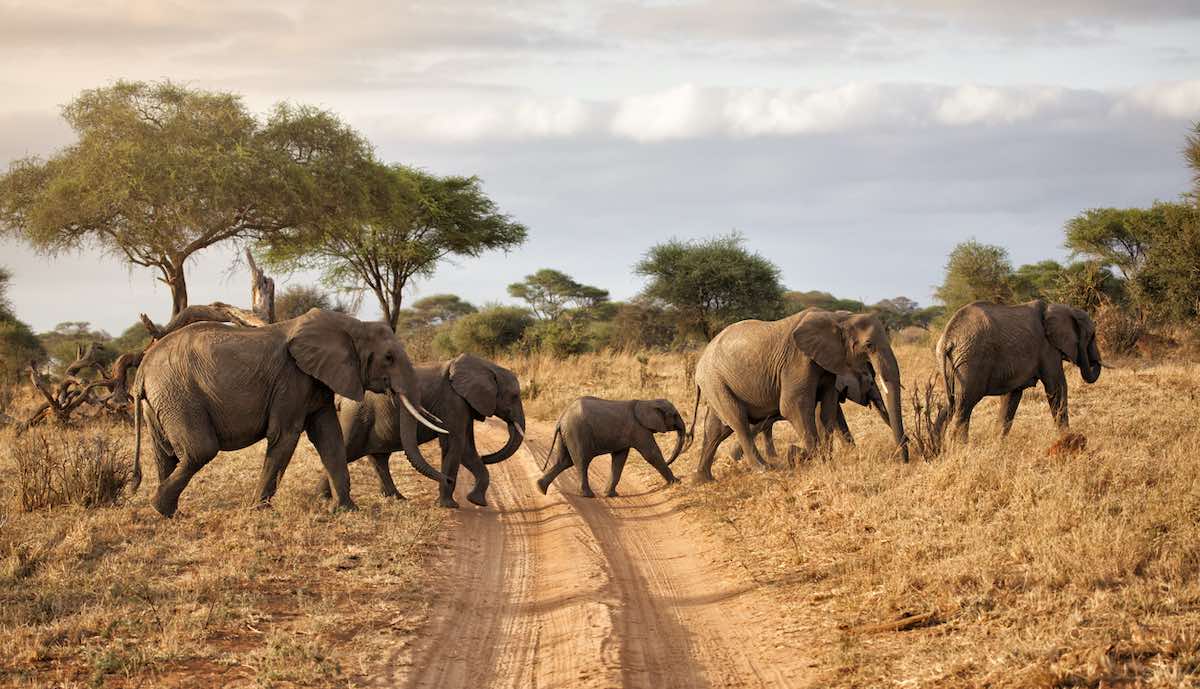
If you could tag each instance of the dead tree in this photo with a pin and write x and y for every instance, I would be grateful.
(262, 291)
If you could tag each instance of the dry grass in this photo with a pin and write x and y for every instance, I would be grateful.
(995, 564)
(219, 596)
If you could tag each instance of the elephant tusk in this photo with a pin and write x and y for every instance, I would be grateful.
(520, 432)
(429, 415)
(417, 415)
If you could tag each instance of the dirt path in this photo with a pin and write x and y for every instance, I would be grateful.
(560, 591)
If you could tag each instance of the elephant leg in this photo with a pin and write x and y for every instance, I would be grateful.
(582, 463)
(474, 464)
(650, 452)
(451, 459)
(326, 436)
(715, 432)
(843, 428)
(1055, 382)
(381, 461)
(961, 414)
(559, 462)
(198, 449)
(165, 461)
(800, 411)
(830, 409)
(618, 465)
(731, 411)
(280, 446)
(768, 436)
(1009, 409)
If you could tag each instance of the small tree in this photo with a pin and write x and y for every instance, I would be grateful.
(550, 292)
(18, 344)
(296, 300)
(64, 343)
(405, 225)
(434, 311)
(161, 172)
(489, 331)
(974, 272)
(795, 302)
(1036, 280)
(712, 283)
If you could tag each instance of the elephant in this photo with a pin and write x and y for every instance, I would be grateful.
(591, 426)
(460, 391)
(212, 387)
(994, 349)
(858, 388)
(753, 370)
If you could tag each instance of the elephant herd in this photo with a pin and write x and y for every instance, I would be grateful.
(350, 386)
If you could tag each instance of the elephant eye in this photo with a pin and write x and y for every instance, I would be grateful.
(389, 358)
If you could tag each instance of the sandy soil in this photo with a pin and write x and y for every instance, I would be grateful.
(562, 591)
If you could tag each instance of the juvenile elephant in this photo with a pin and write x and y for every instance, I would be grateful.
(992, 349)
(460, 392)
(591, 426)
(857, 388)
(753, 370)
(212, 387)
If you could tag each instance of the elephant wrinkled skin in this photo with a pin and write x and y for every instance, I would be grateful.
(997, 350)
(591, 426)
(460, 392)
(212, 387)
(754, 370)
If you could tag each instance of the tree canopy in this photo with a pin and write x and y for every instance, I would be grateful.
(712, 283)
(550, 292)
(408, 221)
(974, 272)
(161, 171)
(434, 311)
(18, 345)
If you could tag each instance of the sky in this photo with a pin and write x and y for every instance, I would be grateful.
(852, 143)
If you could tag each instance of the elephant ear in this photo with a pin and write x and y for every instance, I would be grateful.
(821, 339)
(1061, 330)
(651, 415)
(323, 347)
(473, 380)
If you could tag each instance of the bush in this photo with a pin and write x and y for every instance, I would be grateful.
(1118, 330)
(69, 467)
(486, 332)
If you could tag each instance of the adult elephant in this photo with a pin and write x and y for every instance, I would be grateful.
(460, 392)
(753, 370)
(993, 349)
(859, 388)
(212, 387)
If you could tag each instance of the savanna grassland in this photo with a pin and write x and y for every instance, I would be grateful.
(116, 596)
(1002, 563)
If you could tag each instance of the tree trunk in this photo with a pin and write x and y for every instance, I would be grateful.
(262, 291)
(178, 285)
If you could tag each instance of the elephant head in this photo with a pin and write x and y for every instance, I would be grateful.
(860, 388)
(660, 416)
(490, 390)
(350, 356)
(857, 345)
(1072, 332)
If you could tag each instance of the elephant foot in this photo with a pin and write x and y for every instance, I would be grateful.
(347, 506)
(612, 493)
(587, 493)
(165, 507)
(477, 499)
(448, 503)
(261, 505)
(701, 477)
(395, 495)
(673, 480)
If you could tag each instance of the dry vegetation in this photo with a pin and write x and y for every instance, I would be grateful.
(997, 564)
(219, 596)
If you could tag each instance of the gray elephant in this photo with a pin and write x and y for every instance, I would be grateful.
(460, 392)
(859, 388)
(212, 387)
(591, 426)
(992, 349)
(753, 370)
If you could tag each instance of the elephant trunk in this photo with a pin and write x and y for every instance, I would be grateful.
(877, 403)
(680, 435)
(509, 449)
(888, 371)
(1089, 362)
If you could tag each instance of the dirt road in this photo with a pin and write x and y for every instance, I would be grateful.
(561, 591)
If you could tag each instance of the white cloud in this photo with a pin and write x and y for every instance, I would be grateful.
(1176, 100)
(972, 104)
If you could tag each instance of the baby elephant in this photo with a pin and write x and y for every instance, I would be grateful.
(591, 426)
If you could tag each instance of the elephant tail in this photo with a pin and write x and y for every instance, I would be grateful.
(695, 416)
(948, 377)
(139, 392)
(550, 451)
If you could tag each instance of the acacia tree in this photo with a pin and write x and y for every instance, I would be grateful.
(711, 283)
(405, 224)
(550, 292)
(976, 271)
(161, 171)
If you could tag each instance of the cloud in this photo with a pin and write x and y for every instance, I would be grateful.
(689, 111)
